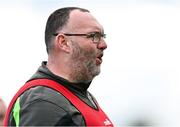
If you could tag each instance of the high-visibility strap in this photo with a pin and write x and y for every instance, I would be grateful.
(98, 115)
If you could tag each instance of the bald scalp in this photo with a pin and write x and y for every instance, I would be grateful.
(80, 21)
(56, 21)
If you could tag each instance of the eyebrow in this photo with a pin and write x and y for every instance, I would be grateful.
(97, 29)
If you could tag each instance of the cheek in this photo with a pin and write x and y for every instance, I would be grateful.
(84, 52)
(90, 52)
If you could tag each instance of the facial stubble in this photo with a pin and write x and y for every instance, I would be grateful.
(83, 65)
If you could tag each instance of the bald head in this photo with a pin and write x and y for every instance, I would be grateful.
(56, 22)
(82, 22)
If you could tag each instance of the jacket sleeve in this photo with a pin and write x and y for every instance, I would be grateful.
(43, 113)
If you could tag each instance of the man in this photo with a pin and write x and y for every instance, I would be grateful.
(57, 95)
(2, 111)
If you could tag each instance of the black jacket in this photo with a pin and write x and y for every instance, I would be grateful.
(43, 106)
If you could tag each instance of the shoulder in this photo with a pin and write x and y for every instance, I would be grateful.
(41, 93)
(44, 106)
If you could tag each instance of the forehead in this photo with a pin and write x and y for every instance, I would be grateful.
(83, 21)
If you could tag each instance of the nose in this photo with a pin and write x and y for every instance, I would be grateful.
(102, 45)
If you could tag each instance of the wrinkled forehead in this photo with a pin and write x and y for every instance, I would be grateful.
(83, 22)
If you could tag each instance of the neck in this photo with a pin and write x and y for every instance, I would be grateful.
(58, 68)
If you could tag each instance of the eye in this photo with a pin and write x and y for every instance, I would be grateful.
(91, 35)
(96, 36)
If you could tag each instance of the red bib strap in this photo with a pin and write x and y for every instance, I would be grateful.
(92, 117)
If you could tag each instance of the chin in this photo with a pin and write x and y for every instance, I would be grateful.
(96, 71)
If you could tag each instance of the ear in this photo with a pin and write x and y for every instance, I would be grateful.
(62, 43)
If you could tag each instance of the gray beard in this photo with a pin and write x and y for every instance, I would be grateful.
(83, 64)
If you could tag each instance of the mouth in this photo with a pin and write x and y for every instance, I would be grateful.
(99, 59)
